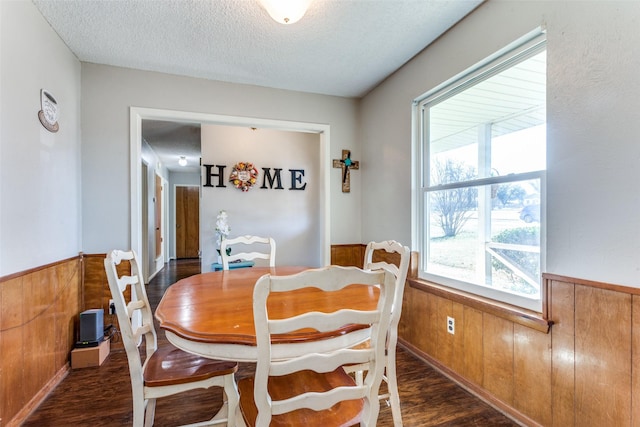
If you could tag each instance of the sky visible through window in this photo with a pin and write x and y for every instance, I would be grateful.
(517, 152)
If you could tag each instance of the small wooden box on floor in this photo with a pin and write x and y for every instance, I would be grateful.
(90, 356)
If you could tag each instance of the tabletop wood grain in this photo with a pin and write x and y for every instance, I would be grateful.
(217, 307)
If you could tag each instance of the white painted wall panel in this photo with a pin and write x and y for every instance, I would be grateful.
(593, 152)
(109, 92)
(291, 217)
(40, 171)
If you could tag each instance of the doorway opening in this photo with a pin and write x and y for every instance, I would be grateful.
(137, 115)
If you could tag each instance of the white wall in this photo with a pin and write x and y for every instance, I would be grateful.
(593, 155)
(592, 206)
(109, 92)
(40, 170)
(291, 217)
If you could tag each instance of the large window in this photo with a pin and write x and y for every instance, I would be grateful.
(480, 177)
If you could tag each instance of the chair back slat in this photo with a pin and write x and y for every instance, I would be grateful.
(318, 401)
(376, 322)
(399, 271)
(321, 362)
(320, 321)
(252, 254)
(135, 317)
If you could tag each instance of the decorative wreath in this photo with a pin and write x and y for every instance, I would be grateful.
(243, 175)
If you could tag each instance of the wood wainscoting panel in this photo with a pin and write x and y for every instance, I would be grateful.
(11, 348)
(97, 293)
(353, 255)
(473, 354)
(11, 312)
(532, 373)
(498, 357)
(635, 361)
(417, 310)
(412, 321)
(69, 283)
(562, 303)
(458, 356)
(39, 329)
(444, 340)
(407, 321)
(38, 311)
(583, 371)
(96, 287)
(348, 255)
(11, 390)
(430, 326)
(603, 357)
(383, 256)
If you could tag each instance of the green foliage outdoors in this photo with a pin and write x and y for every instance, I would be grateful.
(528, 262)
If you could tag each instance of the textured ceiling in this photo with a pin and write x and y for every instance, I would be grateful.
(340, 47)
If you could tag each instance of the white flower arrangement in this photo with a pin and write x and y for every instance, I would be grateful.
(222, 228)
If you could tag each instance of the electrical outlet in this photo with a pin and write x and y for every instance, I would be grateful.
(451, 325)
(112, 307)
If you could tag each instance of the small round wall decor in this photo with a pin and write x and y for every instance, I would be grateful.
(49, 111)
(243, 175)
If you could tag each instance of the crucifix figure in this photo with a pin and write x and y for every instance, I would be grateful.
(346, 164)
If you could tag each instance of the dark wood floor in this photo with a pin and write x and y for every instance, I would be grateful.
(101, 396)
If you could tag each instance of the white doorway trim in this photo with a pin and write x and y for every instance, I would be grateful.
(144, 220)
(137, 114)
(165, 221)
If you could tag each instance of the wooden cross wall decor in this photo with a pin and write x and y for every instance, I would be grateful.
(346, 164)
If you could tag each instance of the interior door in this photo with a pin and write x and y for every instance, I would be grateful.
(187, 222)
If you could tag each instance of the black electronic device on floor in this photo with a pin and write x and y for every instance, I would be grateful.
(91, 328)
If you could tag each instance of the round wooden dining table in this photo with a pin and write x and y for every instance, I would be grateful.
(211, 314)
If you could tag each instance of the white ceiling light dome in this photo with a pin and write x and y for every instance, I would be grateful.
(286, 11)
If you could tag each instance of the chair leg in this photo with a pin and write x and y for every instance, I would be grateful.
(394, 397)
(138, 413)
(149, 413)
(239, 419)
(232, 400)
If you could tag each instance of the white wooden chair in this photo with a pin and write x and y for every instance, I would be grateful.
(400, 273)
(270, 255)
(166, 370)
(313, 389)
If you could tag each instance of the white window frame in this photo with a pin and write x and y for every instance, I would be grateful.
(526, 46)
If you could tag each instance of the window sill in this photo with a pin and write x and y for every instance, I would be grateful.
(517, 315)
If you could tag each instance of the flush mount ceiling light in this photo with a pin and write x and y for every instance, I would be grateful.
(182, 161)
(286, 11)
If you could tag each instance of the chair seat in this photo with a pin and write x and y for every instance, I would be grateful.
(170, 366)
(345, 413)
(166, 370)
